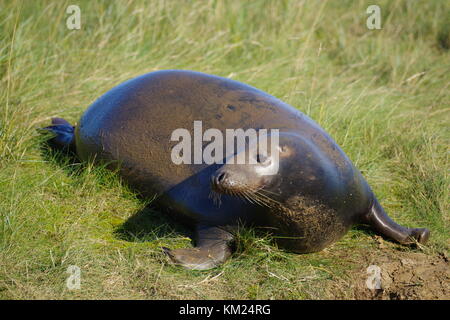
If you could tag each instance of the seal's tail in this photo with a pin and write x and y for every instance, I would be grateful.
(381, 222)
(64, 134)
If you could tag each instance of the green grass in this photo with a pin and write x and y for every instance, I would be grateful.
(381, 94)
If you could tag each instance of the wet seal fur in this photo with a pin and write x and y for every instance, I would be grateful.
(314, 199)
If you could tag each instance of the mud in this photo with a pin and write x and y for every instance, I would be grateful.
(404, 276)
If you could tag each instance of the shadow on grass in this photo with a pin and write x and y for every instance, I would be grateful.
(148, 224)
(64, 158)
(364, 228)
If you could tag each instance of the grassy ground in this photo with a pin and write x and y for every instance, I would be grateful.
(382, 94)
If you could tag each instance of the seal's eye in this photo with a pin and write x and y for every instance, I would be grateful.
(283, 149)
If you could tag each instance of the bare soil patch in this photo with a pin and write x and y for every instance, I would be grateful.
(404, 275)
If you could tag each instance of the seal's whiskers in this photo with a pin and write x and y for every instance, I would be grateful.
(216, 197)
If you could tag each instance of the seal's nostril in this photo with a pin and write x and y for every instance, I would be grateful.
(221, 177)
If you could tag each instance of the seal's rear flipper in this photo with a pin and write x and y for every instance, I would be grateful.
(64, 134)
(212, 249)
(381, 222)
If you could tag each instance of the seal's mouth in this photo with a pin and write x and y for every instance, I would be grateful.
(222, 183)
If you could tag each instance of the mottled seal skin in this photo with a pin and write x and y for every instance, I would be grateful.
(315, 197)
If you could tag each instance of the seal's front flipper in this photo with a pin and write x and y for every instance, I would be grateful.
(212, 249)
(381, 222)
(64, 134)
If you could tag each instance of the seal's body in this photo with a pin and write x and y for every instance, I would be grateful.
(314, 198)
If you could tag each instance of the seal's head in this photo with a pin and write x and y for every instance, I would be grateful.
(294, 184)
(263, 175)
